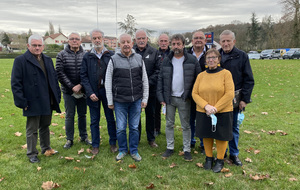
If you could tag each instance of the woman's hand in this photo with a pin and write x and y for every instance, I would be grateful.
(210, 109)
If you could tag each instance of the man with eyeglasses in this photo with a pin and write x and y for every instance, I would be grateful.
(35, 89)
(151, 60)
(237, 62)
(198, 49)
(94, 65)
(68, 65)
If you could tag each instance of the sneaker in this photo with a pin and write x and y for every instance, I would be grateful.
(68, 144)
(136, 157)
(187, 156)
(120, 155)
(168, 153)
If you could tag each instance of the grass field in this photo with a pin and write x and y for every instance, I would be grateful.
(269, 140)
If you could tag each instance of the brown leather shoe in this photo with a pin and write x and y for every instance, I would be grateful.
(95, 150)
(153, 144)
(113, 148)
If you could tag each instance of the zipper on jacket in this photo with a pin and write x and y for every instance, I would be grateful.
(131, 86)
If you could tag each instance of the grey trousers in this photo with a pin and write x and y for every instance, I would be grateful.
(34, 125)
(184, 108)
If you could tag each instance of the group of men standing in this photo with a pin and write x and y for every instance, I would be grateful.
(134, 77)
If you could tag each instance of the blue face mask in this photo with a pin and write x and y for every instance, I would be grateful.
(241, 117)
(213, 122)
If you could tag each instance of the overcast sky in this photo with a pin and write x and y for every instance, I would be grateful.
(160, 15)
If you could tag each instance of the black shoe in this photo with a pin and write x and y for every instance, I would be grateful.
(235, 160)
(208, 163)
(168, 153)
(218, 166)
(86, 141)
(187, 156)
(225, 155)
(34, 159)
(68, 144)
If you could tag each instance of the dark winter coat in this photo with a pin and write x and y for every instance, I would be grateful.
(191, 69)
(30, 88)
(89, 76)
(239, 66)
(202, 58)
(68, 64)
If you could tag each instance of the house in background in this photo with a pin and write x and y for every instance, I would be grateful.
(1, 47)
(58, 38)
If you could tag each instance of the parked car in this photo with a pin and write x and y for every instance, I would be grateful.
(291, 55)
(270, 54)
(253, 55)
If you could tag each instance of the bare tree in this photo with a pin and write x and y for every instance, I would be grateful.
(291, 9)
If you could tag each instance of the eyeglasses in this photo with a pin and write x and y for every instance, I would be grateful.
(213, 58)
(76, 39)
(36, 45)
(95, 38)
(199, 38)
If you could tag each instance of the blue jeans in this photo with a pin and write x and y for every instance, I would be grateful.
(130, 111)
(70, 106)
(193, 124)
(95, 119)
(233, 144)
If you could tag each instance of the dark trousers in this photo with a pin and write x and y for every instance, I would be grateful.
(95, 119)
(150, 119)
(157, 116)
(193, 124)
(35, 125)
(71, 103)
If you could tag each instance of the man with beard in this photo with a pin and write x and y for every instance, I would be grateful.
(127, 92)
(163, 51)
(68, 64)
(175, 83)
(151, 59)
(237, 62)
(92, 75)
(198, 49)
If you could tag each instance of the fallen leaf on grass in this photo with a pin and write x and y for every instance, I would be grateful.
(150, 186)
(132, 166)
(49, 185)
(173, 165)
(264, 113)
(49, 152)
(293, 179)
(119, 161)
(39, 168)
(208, 183)
(181, 153)
(259, 177)
(76, 168)
(2, 96)
(69, 158)
(244, 173)
(78, 161)
(18, 134)
(248, 132)
(64, 127)
(1, 179)
(11, 126)
(263, 131)
(249, 149)
(62, 116)
(88, 150)
(159, 176)
(153, 155)
(248, 160)
(81, 151)
(195, 152)
(200, 165)
(1, 118)
(256, 151)
(0, 150)
(12, 114)
(283, 133)
(121, 169)
(272, 132)
(56, 114)
(52, 133)
(54, 124)
(228, 175)
(225, 170)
